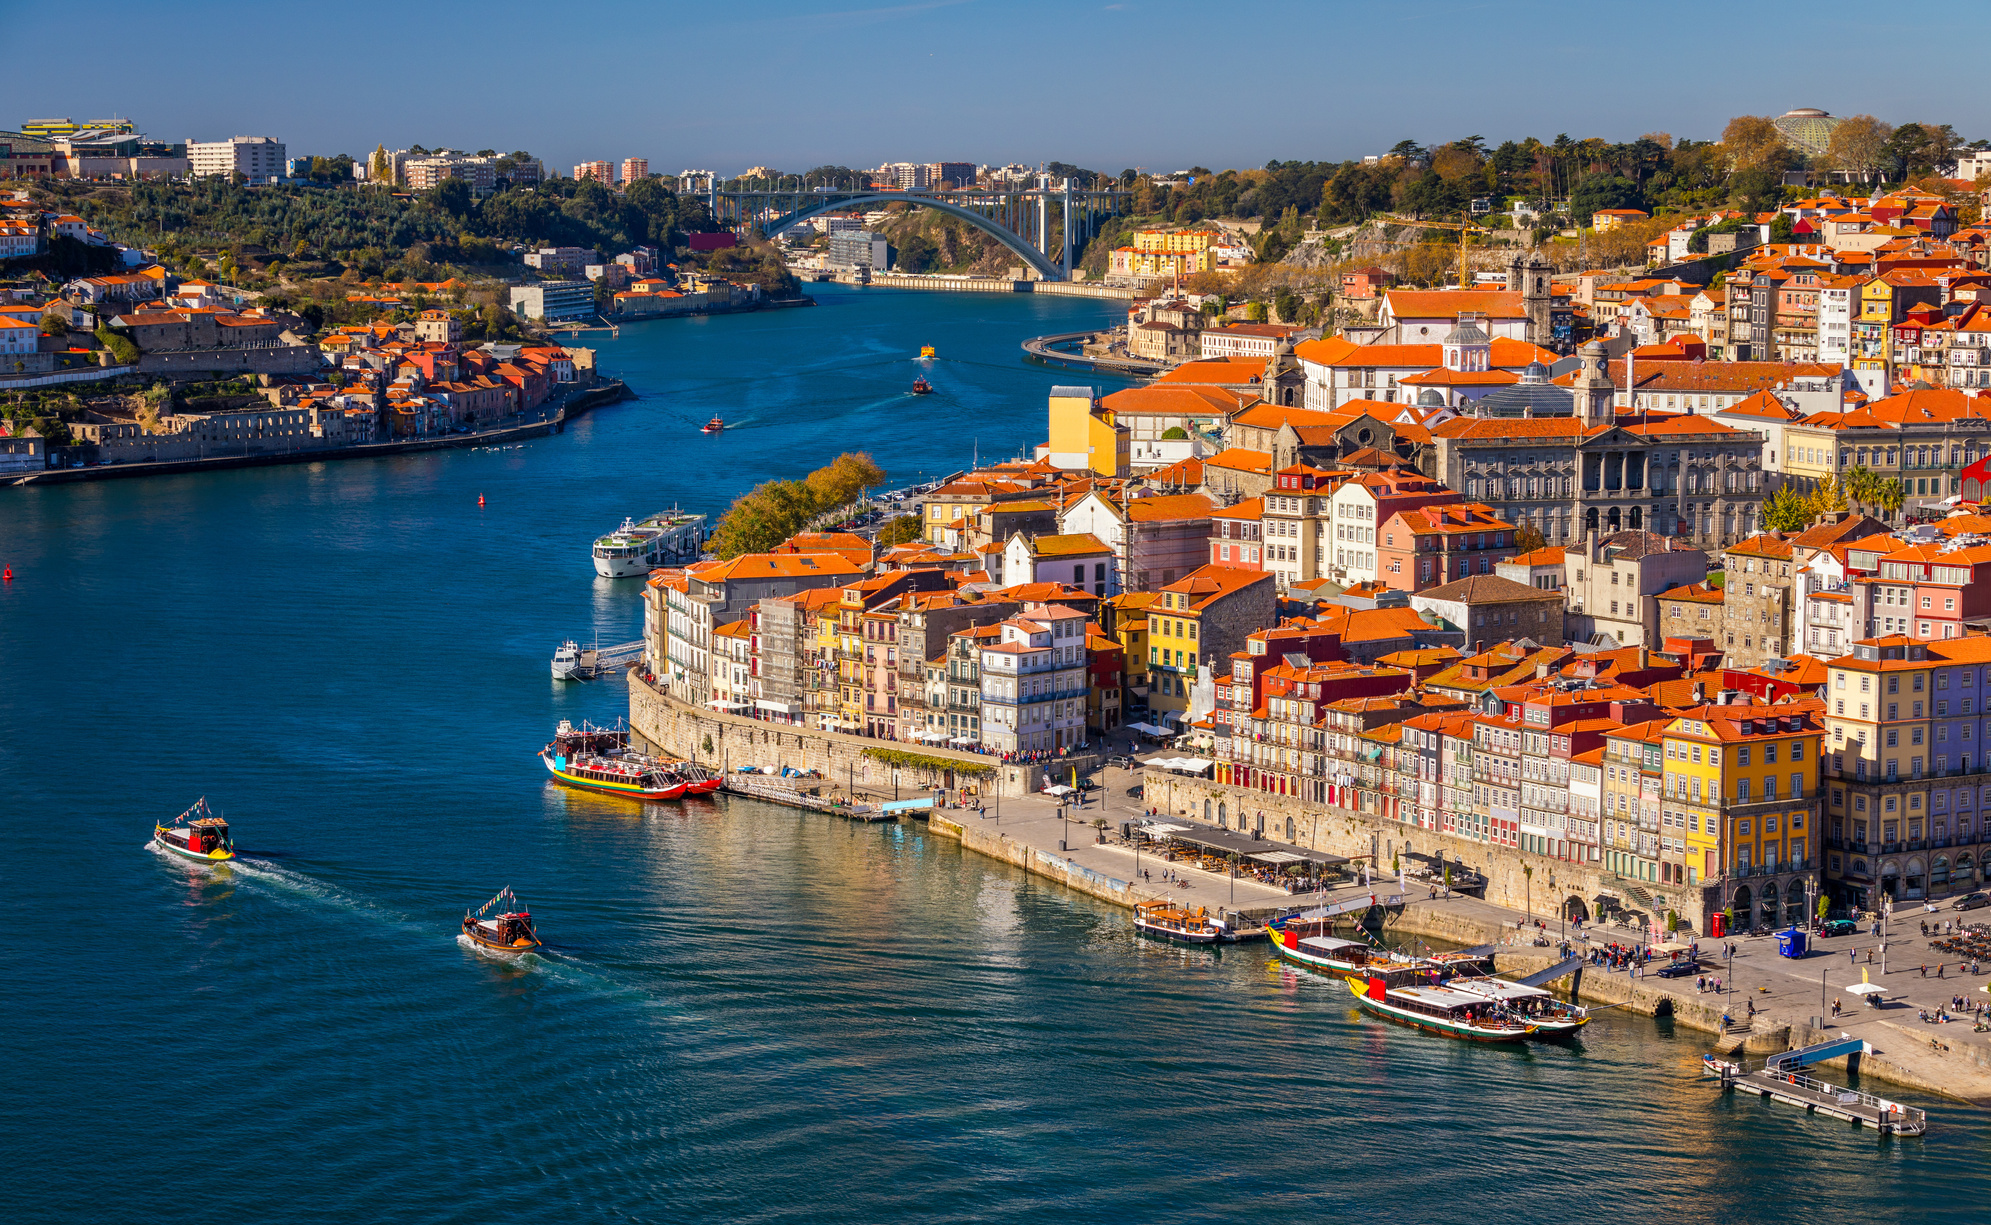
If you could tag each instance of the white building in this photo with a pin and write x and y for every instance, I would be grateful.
(1838, 302)
(1034, 681)
(259, 159)
(18, 336)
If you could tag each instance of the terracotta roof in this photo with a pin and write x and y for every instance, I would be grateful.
(1085, 544)
(1222, 372)
(778, 565)
(1763, 544)
(1696, 592)
(1450, 303)
(1548, 555)
(1490, 589)
(1207, 584)
(1169, 508)
(1241, 459)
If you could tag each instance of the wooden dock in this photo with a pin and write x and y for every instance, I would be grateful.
(1780, 1079)
(775, 792)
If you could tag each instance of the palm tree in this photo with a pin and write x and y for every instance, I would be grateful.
(1890, 494)
(1860, 482)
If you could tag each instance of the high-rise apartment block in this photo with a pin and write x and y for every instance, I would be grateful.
(600, 172)
(634, 168)
(259, 159)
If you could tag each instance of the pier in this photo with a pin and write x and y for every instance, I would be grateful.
(1047, 350)
(1780, 1079)
(777, 791)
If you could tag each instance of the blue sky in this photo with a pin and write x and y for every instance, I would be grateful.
(1162, 85)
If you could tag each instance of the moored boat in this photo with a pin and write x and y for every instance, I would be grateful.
(637, 547)
(1166, 920)
(510, 931)
(1440, 1010)
(1327, 954)
(600, 759)
(196, 834)
(1551, 1017)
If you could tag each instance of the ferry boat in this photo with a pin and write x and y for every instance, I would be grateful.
(637, 547)
(921, 387)
(713, 426)
(509, 932)
(1551, 1017)
(926, 353)
(196, 834)
(599, 759)
(1166, 921)
(1441, 1010)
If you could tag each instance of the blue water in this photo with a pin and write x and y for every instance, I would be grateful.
(749, 1013)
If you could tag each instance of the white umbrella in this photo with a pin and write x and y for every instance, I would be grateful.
(1866, 989)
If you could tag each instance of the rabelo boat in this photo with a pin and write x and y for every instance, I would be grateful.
(196, 834)
(1441, 1010)
(509, 931)
(1166, 920)
(600, 759)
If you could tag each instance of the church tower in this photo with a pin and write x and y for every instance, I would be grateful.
(1537, 286)
(1592, 388)
(1285, 381)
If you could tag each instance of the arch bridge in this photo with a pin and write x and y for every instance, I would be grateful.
(1009, 215)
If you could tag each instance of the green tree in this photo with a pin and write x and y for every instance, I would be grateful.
(1787, 510)
(1890, 494)
(917, 254)
(903, 530)
(1601, 191)
(451, 196)
(1528, 538)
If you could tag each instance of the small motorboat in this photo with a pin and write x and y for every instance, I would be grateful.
(713, 426)
(567, 660)
(509, 932)
(921, 387)
(196, 834)
(926, 353)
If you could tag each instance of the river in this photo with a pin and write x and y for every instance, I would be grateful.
(748, 1013)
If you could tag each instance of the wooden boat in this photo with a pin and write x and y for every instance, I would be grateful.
(510, 931)
(1551, 1017)
(1166, 921)
(713, 426)
(921, 387)
(196, 834)
(598, 759)
(1440, 1010)
(1327, 954)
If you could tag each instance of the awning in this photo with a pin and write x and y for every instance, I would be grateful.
(785, 708)
(1149, 729)
(1866, 989)
(1277, 858)
(1058, 789)
(723, 704)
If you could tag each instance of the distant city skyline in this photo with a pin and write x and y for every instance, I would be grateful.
(795, 85)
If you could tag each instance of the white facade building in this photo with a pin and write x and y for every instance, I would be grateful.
(260, 159)
(1034, 681)
(1836, 306)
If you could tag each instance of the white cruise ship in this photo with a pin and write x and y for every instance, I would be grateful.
(668, 539)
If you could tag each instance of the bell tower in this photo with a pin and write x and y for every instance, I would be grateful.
(1592, 388)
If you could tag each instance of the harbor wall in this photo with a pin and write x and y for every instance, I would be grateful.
(730, 741)
(984, 284)
(1039, 862)
(1517, 880)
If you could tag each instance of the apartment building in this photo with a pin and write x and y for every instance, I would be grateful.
(1034, 681)
(259, 159)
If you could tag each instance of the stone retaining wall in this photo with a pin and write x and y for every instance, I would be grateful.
(1517, 880)
(1039, 862)
(731, 741)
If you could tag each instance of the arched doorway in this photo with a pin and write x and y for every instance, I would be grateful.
(1742, 902)
(1890, 879)
(1612, 519)
(1223, 820)
(1768, 905)
(1289, 829)
(1206, 812)
(1965, 878)
(1590, 519)
(1574, 910)
(1637, 518)
(1914, 885)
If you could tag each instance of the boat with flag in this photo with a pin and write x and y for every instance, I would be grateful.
(1440, 1010)
(196, 833)
(600, 759)
(510, 931)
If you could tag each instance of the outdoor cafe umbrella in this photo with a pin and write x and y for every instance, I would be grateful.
(1866, 989)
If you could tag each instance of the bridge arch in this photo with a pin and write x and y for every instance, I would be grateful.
(1045, 267)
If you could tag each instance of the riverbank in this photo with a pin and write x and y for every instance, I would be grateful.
(539, 426)
(1045, 351)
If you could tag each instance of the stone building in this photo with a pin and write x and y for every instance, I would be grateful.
(1489, 609)
(1676, 474)
(1614, 583)
(1761, 602)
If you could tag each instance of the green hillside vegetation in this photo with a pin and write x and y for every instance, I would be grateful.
(772, 511)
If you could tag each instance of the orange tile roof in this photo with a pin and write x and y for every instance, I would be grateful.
(1168, 508)
(1208, 584)
(1232, 371)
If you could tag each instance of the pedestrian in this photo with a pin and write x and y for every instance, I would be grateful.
(1924, 969)
(1939, 969)
(1852, 956)
(1835, 1008)
(1869, 956)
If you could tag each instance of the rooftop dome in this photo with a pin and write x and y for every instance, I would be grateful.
(1430, 397)
(1466, 334)
(1535, 373)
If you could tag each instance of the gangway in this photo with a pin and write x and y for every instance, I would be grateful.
(572, 662)
(1542, 978)
(1779, 1080)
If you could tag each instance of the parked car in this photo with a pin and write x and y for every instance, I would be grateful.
(1680, 969)
(1839, 927)
(1086, 784)
(1971, 901)
(1124, 762)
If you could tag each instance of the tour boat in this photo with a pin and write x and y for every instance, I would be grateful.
(1165, 920)
(640, 546)
(599, 759)
(921, 387)
(1551, 1017)
(926, 353)
(713, 426)
(196, 834)
(1325, 953)
(1441, 1010)
(510, 931)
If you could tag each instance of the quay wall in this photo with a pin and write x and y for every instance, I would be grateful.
(1517, 880)
(1066, 289)
(1039, 862)
(729, 741)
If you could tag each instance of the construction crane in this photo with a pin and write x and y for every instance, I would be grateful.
(1465, 227)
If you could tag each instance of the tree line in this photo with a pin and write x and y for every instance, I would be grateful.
(772, 511)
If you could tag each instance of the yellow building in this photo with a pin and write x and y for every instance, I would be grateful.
(1125, 620)
(1166, 253)
(1198, 621)
(1082, 436)
(1740, 796)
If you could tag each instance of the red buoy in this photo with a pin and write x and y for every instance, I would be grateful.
(480, 499)
(7, 574)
